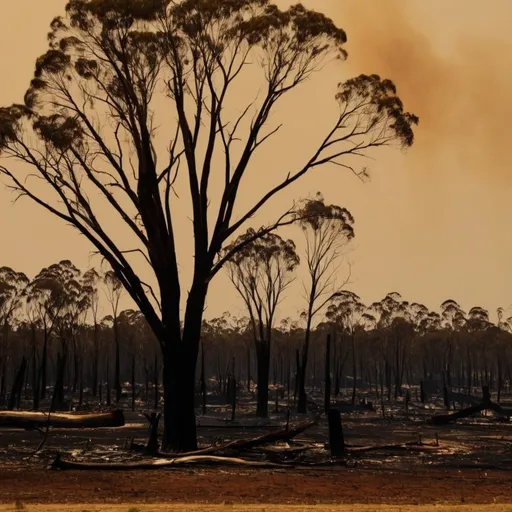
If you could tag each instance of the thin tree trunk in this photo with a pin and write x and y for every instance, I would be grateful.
(155, 382)
(35, 371)
(81, 384)
(354, 369)
(133, 382)
(108, 382)
(249, 369)
(17, 386)
(95, 361)
(203, 380)
(263, 362)
(302, 406)
(44, 358)
(3, 384)
(146, 381)
(327, 378)
(117, 376)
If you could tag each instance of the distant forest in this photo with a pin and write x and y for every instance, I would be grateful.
(55, 347)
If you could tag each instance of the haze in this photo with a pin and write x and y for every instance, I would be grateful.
(431, 224)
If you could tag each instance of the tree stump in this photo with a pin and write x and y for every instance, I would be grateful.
(336, 439)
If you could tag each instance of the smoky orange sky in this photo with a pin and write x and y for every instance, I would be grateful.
(432, 224)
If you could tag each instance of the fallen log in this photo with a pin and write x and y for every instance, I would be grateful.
(60, 463)
(31, 420)
(403, 447)
(286, 449)
(443, 419)
(282, 435)
(498, 409)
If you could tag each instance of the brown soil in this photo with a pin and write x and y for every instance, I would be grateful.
(253, 486)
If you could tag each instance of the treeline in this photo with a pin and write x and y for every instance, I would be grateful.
(55, 345)
(54, 341)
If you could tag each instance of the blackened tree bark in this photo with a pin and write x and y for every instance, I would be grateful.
(202, 379)
(17, 386)
(327, 375)
(263, 370)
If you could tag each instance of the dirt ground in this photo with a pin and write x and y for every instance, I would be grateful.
(421, 486)
(181, 507)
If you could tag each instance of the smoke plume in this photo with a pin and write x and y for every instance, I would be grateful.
(460, 87)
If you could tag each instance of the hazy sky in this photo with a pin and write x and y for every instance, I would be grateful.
(432, 224)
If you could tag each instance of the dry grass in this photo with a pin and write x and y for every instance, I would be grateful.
(227, 507)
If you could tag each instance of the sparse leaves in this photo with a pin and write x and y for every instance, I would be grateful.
(261, 269)
(60, 131)
(382, 108)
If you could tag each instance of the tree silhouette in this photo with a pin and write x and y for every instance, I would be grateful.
(48, 295)
(114, 291)
(90, 280)
(261, 271)
(88, 129)
(12, 288)
(348, 312)
(328, 229)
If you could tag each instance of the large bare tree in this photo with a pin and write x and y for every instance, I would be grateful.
(90, 130)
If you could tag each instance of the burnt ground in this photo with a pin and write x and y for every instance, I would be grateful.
(472, 465)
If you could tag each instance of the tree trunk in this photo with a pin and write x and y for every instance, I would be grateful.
(95, 361)
(35, 371)
(133, 382)
(58, 396)
(76, 365)
(354, 369)
(17, 387)
(44, 358)
(81, 383)
(179, 396)
(146, 382)
(3, 385)
(327, 378)
(302, 405)
(336, 439)
(500, 380)
(203, 380)
(155, 382)
(263, 362)
(117, 376)
(249, 369)
(108, 382)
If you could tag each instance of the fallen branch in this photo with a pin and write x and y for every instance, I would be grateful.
(60, 463)
(29, 420)
(443, 419)
(284, 434)
(403, 447)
